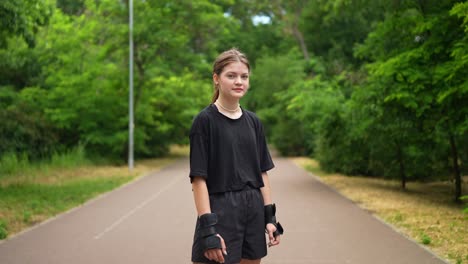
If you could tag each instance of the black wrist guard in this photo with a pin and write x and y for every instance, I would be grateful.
(270, 218)
(207, 231)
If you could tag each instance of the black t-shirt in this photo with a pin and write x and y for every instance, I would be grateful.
(228, 153)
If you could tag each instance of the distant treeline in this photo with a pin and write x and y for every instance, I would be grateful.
(369, 87)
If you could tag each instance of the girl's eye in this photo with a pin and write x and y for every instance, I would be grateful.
(232, 76)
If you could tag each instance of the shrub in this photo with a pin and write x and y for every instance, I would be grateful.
(3, 229)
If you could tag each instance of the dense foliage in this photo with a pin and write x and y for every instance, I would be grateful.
(376, 88)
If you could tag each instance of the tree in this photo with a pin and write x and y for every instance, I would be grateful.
(22, 18)
(411, 50)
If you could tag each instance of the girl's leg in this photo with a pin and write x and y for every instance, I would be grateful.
(250, 261)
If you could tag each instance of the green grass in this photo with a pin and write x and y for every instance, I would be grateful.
(12, 163)
(33, 192)
(30, 203)
(17, 165)
(25, 204)
(465, 200)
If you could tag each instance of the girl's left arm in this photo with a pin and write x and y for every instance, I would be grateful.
(266, 189)
(266, 193)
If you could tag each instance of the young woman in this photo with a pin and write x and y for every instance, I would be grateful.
(229, 160)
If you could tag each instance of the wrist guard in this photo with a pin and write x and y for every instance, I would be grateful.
(270, 218)
(207, 231)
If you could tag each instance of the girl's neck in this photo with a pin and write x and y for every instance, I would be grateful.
(228, 105)
(231, 110)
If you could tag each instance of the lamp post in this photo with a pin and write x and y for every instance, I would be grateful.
(131, 125)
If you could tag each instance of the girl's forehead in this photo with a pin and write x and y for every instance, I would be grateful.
(237, 67)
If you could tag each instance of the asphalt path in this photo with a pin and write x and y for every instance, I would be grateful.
(151, 220)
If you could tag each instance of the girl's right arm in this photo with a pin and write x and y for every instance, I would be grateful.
(200, 195)
(202, 203)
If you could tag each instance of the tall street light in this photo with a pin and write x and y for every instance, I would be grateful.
(131, 125)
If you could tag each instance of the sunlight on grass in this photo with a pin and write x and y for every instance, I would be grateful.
(425, 211)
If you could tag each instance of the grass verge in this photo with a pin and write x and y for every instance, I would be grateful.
(424, 212)
(41, 191)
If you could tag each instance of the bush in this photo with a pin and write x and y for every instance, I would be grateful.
(3, 229)
(288, 138)
(425, 239)
(24, 128)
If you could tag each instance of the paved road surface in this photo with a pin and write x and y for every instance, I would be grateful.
(151, 220)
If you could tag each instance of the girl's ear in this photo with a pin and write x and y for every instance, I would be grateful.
(215, 78)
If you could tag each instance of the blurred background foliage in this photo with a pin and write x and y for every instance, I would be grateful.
(368, 87)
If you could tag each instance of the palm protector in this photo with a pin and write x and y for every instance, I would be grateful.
(207, 231)
(270, 218)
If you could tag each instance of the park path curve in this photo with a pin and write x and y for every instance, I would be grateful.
(151, 220)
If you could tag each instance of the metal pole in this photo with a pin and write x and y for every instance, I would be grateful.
(130, 99)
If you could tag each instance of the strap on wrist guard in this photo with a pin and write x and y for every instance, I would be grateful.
(207, 231)
(270, 218)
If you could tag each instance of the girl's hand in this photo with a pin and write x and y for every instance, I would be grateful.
(217, 254)
(270, 228)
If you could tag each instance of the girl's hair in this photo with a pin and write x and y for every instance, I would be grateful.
(224, 59)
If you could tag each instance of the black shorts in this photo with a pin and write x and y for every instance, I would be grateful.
(241, 224)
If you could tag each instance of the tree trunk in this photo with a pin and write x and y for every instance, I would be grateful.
(298, 34)
(402, 166)
(291, 18)
(300, 38)
(456, 168)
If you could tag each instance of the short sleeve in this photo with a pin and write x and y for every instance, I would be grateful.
(199, 150)
(266, 163)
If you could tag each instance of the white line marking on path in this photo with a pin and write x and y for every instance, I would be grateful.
(134, 210)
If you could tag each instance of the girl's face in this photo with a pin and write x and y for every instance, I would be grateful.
(233, 82)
